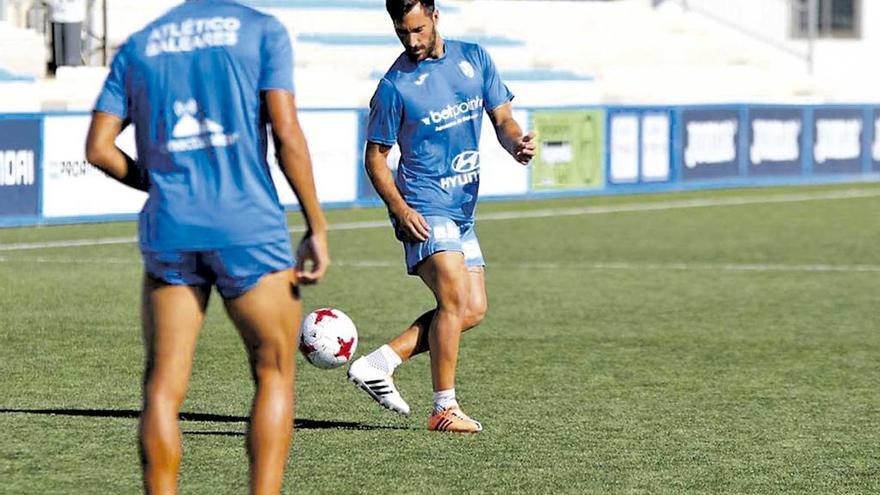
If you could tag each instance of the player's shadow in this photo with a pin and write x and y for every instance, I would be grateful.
(306, 424)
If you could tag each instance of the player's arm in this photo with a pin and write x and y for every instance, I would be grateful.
(521, 147)
(102, 152)
(296, 163)
(410, 222)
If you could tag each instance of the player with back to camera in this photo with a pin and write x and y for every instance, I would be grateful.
(200, 83)
(431, 103)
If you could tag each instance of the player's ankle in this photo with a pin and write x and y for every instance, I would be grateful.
(444, 399)
(385, 359)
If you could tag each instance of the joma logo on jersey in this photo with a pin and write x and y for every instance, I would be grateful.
(452, 112)
(467, 167)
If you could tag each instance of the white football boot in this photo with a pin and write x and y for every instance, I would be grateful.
(377, 384)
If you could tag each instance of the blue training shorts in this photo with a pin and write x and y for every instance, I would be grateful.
(445, 234)
(233, 270)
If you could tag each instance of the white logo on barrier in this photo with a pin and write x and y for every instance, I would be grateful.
(838, 139)
(455, 114)
(17, 168)
(192, 134)
(655, 147)
(421, 80)
(466, 161)
(624, 148)
(467, 69)
(193, 34)
(775, 140)
(876, 150)
(710, 142)
(67, 169)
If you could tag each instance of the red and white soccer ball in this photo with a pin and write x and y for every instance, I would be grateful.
(328, 338)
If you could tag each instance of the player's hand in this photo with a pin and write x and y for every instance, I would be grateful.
(412, 226)
(524, 150)
(312, 250)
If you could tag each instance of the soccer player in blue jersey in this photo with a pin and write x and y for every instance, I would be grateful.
(431, 103)
(200, 85)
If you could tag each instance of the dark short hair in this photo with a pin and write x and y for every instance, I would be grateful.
(399, 8)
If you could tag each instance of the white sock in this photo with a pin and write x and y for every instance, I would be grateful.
(385, 359)
(444, 399)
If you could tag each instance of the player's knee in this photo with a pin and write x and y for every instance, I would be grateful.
(272, 362)
(455, 302)
(475, 314)
(163, 395)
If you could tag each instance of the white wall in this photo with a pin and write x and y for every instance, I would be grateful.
(771, 18)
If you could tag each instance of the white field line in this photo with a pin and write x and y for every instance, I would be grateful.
(637, 266)
(716, 267)
(514, 215)
(599, 266)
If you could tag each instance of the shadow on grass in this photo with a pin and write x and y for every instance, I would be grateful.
(306, 424)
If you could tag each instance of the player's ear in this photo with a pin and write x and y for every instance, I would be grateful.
(435, 16)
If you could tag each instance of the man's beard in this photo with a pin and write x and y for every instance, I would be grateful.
(430, 48)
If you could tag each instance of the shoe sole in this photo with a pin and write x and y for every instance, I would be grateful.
(455, 431)
(363, 386)
(452, 430)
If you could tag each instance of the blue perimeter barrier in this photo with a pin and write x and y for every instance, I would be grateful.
(641, 149)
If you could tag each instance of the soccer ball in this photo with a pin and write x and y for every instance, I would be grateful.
(328, 338)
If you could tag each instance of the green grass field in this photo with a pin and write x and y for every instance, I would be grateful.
(637, 346)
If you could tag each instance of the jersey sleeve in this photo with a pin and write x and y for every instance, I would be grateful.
(277, 56)
(495, 92)
(386, 111)
(114, 97)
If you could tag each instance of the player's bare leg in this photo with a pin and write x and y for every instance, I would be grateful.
(172, 316)
(373, 372)
(267, 317)
(414, 340)
(446, 274)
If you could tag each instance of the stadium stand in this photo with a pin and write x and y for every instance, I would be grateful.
(551, 52)
(24, 51)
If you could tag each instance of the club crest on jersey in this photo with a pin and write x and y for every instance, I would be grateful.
(466, 68)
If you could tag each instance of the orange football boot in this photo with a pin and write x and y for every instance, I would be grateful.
(454, 420)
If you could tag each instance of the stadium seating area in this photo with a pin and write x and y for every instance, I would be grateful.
(551, 53)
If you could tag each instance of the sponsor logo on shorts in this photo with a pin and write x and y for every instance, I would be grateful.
(446, 231)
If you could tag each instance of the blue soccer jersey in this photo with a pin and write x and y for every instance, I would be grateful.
(434, 110)
(190, 83)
